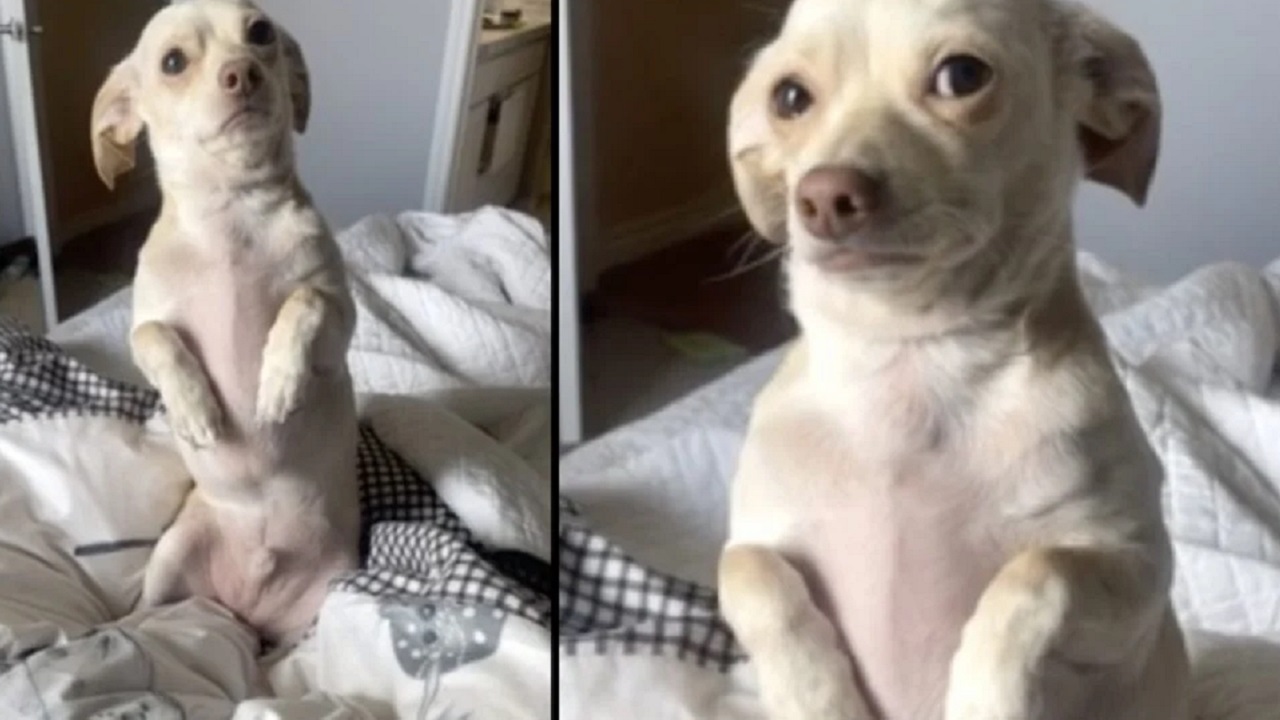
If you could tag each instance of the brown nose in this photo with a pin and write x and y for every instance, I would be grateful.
(240, 77)
(835, 202)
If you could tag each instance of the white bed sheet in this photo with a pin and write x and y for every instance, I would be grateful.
(1199, 360)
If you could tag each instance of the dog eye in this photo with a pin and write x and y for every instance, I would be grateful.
(791, 99)
(960, 76)
(260, 32)
(173, 62)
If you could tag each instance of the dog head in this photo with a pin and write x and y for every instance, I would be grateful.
(216, 84)
(893, 143)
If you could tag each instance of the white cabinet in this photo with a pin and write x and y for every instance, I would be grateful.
(492, 145)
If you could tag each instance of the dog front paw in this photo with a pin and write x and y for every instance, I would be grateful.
(280, 390)
(193, 414)
(996, 672)
(982, 690)
(826, 704)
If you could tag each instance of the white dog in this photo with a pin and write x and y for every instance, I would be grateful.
(945, 508)
(242, 315)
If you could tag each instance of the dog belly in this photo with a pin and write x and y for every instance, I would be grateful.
(899, 572)
(271, 569)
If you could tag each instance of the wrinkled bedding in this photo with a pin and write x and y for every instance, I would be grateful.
(449, 615)
(645, 510)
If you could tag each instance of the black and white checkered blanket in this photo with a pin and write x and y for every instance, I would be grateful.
(610, 604)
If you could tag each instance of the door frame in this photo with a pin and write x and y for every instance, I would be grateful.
(567, 226)
(20, 71)
(456, 69)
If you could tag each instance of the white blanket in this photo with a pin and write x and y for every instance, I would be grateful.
(1198, 359)
(448, 619)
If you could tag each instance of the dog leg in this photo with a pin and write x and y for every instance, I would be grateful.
(304, 334)
(1085, 607)
(167, 363)
(169, 569)
(802, 671)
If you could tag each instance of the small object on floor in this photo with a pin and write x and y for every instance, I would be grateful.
(705, 347)
(19, 267)
(504, 20)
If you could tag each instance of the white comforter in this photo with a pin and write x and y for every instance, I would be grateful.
(452, 363)
(1199, 360)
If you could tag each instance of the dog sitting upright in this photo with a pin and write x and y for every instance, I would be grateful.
(241, 315)
(945, 508)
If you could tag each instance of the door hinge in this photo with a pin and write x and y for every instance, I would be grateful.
(16, 30)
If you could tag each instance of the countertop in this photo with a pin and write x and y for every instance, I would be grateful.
(535, 25)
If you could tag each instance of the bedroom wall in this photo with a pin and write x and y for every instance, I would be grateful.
(375, 68)
(1217, 187)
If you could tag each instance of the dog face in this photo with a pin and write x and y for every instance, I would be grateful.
(891, 142)
(212, 81)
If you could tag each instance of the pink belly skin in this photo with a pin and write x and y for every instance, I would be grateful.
(900, 570)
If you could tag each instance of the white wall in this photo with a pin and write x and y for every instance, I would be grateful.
(375, 67)
(1217, 188)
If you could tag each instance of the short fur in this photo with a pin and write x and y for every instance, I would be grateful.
(241, 317)
(945, 508)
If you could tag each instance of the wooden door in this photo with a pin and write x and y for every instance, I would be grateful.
(56, 54)
(80, 42)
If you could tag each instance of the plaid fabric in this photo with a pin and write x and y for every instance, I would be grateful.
(38, 380)
(609, 603)
(413, 543)
(418, 547)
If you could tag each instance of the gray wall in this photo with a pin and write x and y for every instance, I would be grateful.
(375, 67)
(1217, 188)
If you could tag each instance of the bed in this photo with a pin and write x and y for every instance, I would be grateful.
(643, 510)
(450, 614)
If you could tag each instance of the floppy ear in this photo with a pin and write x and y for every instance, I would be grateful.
(299, 80)
(1119, 121)
(115, 124)
(761, 187)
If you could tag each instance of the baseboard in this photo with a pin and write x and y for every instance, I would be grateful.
(147, 197)
(637, 238)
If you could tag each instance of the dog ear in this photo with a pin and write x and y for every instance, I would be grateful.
(115, 124)
(761, 188)
(1119, 121)
(299, 80)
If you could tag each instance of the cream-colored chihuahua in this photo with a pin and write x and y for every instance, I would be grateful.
(241, 315)
(945, 508)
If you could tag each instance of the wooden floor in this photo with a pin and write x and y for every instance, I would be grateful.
(693, 286)
(630, 366)
(109, 249)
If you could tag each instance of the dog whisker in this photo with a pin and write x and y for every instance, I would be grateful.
(744, 263)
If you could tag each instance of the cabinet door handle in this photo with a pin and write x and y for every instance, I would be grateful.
(493, 117)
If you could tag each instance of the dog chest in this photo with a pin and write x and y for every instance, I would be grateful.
(893, 527)
(227, 311)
